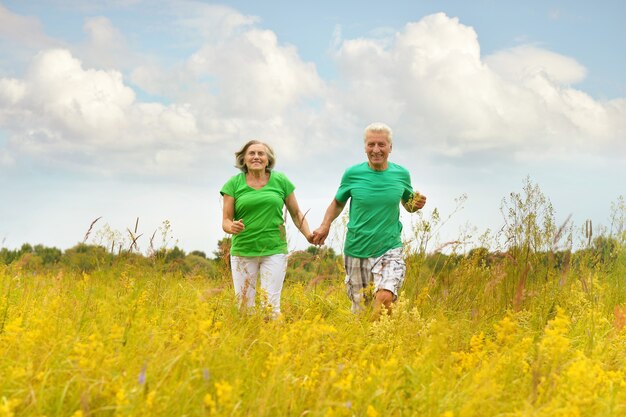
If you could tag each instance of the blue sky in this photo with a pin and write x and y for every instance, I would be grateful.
(133, 108)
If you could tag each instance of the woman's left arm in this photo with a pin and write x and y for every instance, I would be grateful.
(298, 218)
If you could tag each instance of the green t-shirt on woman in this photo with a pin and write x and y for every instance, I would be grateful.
(374, 226)
(262, 214)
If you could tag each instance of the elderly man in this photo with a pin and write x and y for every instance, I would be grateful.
(373, 247)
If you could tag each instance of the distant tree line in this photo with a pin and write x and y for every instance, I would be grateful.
(87, 258)
(318, 263)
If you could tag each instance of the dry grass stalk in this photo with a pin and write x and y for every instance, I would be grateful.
(521, 286)
(588, 231)
(446, 244)
(133, 238)
(620, 317)
(317, 280)
(152, 250)
(583, 282)
(559, 232)
(90, 229)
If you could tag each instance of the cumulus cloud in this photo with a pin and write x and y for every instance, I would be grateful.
(62, 109)
(256, 77)
(243, 82)
(240, 83)
(239, 71)
(431, 82)
(89, 103)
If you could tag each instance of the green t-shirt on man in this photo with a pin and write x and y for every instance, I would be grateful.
(262, 214)
(374, 226)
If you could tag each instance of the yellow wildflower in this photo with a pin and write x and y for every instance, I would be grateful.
(371, 411)
(210, 403)
(554, 343)
(224, 392)
(477, 342)
(505, 330)
(150, 399)
(7, 407)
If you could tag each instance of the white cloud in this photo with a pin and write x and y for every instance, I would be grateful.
(91, 104)
(102, 32)
(527, 61)
(254, 75)
(241, 81)
(238, 73)
(211, 21)
(27, 31)
(431, 83)
(60, 109)
(106, 46)
(11, 91)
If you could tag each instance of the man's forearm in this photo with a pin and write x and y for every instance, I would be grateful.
(332, 212)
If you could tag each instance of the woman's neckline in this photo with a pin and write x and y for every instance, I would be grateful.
(259, 184)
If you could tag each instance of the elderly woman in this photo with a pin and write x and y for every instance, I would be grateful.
(253, 214)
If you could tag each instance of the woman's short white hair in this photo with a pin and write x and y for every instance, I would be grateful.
(378, 127)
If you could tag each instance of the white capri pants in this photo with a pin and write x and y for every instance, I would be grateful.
(270, 270)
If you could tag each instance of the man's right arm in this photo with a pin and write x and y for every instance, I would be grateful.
(332, 212)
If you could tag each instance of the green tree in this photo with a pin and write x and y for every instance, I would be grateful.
(86, 258)
(7, 256)
(322, 252)
(174, 254)
(48, 255)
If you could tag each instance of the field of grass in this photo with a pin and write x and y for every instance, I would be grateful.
(536, 330)
(128, 340)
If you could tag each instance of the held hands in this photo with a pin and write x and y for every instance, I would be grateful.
(319, 235)
(237, 227)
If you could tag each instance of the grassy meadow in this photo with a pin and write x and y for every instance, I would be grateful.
(534, 328)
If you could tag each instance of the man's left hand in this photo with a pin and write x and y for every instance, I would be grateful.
(416, 202)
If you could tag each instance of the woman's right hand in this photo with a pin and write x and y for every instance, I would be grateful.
(319, 235)
(236, 227)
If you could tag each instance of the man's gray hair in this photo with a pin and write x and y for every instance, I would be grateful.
(378, 127)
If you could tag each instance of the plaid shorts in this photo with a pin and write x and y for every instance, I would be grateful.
(365, 276)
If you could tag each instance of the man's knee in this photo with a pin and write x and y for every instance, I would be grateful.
(384, 297)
